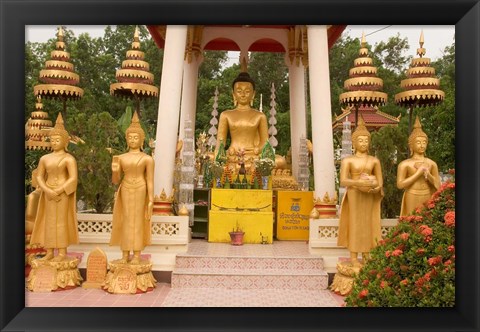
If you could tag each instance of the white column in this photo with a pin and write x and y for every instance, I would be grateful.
(189, 95)
(169, 108)
(298, 118)
(322, 133)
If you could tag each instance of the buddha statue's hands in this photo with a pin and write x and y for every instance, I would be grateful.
(367, 181)
(52, 195)
(149, 211)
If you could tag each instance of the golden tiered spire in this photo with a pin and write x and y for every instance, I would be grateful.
(60, 80)
(134, 78)
(363, 87)
(37, 127)
(421, 86)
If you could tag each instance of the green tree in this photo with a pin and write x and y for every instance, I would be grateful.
(388, 146)
(438, 122)
(99, 134)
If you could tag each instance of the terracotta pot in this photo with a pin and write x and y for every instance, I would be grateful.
(236, 238)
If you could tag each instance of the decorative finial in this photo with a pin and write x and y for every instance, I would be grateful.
(60, 33)
(421, 51)
(136, 34)
(364, 41)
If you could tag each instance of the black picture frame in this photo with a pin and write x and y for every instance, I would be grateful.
(15, 15)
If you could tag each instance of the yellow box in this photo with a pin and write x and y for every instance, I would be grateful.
(241, 200)
(250, 209)
(293, 211)
(255, 225)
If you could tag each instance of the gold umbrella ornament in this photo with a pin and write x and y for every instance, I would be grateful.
(421, 87)
(59, 78)
(134, 78)
(364, 86)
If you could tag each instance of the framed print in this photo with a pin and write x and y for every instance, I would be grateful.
(16, 15)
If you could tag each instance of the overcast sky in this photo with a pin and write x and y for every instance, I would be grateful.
(436, 37)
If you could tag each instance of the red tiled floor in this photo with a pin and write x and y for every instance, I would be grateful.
(164, 296)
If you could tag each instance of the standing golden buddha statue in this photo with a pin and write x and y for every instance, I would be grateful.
(418, 175)
(133, 205)
(359, 226)
(246, 126)
(55, 224)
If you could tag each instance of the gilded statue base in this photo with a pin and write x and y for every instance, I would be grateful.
(50, 275)
(343, 280)
(128, 278)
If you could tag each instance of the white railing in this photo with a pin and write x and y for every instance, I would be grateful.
(324, 232)
(166, 230)
(323, 236)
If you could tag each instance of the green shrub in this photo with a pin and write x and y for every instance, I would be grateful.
(414, 265)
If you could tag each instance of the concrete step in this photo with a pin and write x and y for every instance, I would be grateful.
(248, 263)
(249, 272)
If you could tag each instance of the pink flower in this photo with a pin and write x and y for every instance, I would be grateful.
(420, 251)
(383, 284)
(451, 171)
(387, 253)
(451, 248)
(447, 263)
(397, 252)
(427, 276)
(363, 293)
(431, 205)
(449, 219)
(404, 236)
(418, 218)
(434, 260)
(365, 282)
(404, 282)
(425, 230)
(451, 185)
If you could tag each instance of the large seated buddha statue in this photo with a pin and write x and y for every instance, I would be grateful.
(245, 126)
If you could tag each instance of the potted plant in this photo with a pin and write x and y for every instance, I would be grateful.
(236, 236)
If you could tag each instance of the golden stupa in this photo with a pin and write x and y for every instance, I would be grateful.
(421, 87)
(60, 80)
(363, 87)
(37, 128)
(134, 78)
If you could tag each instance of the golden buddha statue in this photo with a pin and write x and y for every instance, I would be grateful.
(55, 224)
(246, 126)
(133, 205)
(361, 174)
(32, 204)
(418, 175)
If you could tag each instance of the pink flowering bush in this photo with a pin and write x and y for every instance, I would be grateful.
(414, 265)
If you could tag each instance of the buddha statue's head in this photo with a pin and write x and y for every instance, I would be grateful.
(58, 135)
(361, 136)
(134, 134)
(243, 87)
(418, 140)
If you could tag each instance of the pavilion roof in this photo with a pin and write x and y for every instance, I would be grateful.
(263, 45)
(373, 117)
